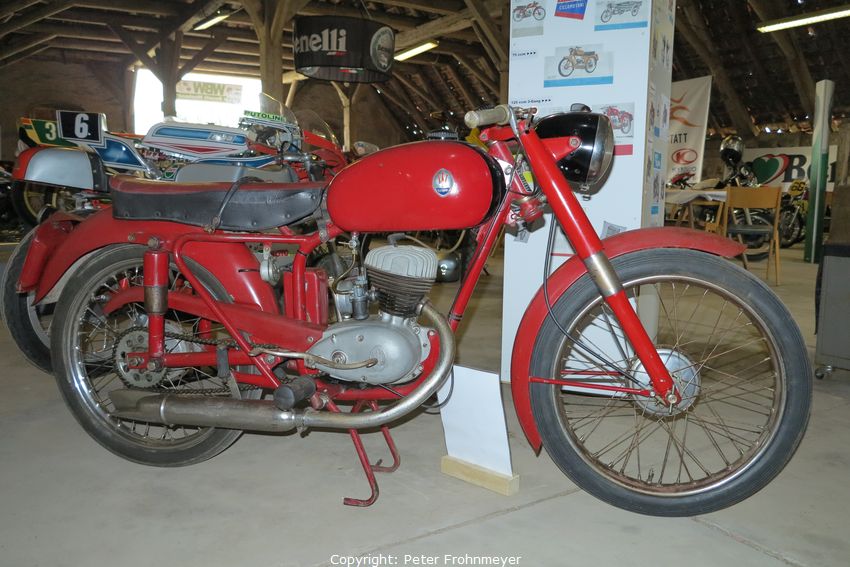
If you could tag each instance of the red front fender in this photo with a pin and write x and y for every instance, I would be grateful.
(63, 239)
(572, 270)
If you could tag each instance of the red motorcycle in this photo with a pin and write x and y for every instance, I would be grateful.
(533, 9)
(620, 119)
(659, 376)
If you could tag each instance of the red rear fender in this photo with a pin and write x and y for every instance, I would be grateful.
(572, 270)
(66, 241)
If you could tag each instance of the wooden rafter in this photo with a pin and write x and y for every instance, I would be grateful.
(32, 16)
(23, 55)
(461, 86)
(15, 6)
(491, 32)
(24, 43)
(434, 29)
(692, 28)
(213, 44)
(444, 7)
(790, 48)
(479, 73)
(743, 30)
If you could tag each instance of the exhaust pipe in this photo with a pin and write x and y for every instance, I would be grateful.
(263, 415)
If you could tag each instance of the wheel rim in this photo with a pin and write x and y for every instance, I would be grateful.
(93, 372)
(40, 318)
(708, 441)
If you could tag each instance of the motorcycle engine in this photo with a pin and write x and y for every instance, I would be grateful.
(399, 277)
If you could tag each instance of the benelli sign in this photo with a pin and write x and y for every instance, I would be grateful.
(328, 41)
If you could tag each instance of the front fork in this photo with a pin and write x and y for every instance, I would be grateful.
(588, 247)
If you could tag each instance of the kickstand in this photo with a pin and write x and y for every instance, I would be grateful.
(368, 468)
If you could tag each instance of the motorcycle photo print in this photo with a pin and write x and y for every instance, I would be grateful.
(578, 65)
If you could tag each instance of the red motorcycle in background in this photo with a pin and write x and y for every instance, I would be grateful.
(660, 377)
(533, 9)
(620, 119)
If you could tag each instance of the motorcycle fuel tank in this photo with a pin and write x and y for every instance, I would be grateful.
(419, 186)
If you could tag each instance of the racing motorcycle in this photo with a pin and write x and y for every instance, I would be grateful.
(532, 9)
(262, 141)
(659, 376)
(617, 8)
(54, 171)
(578, 58)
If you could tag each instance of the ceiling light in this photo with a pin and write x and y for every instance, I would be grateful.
(414, 51)
(805, 19)
(218, 16)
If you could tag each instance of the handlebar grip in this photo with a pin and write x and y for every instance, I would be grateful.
(498, 115)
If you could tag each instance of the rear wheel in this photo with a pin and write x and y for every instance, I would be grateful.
(737, 360)
(565, 67)
(88, 346)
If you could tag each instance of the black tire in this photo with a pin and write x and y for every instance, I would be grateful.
(790, 227)
(705, 300)
(758, 247)
(539, 13)
(83, 358)
(565, 67)
(605, 16)
(518, 15)
(28, 324)
(590, 64)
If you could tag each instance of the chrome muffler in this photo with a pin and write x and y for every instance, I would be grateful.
(263, 415)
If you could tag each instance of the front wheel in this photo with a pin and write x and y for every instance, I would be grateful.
(539, 13)
(790, 227)
(738, 362)
(565, 67)
(605, 16)
(590, 64)
(626, 124)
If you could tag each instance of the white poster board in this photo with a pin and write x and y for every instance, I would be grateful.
(630, 45)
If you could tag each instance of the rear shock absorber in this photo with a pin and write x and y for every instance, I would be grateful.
(156, 303)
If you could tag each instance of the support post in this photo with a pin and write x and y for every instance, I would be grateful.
(824, 91)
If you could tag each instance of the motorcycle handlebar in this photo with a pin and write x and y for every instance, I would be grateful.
(499, 115)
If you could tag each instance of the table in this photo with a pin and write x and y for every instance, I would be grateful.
(683, 202)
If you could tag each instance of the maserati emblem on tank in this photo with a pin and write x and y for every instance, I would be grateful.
(443, 182)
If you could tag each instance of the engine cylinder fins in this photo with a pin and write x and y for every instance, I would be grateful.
(402, 276)
(399, 295)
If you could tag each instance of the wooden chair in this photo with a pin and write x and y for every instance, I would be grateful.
(767, 199)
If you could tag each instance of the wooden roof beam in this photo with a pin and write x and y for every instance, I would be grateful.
(433, 29)
(742, 28)
(16, 6)
(444, 7)
(32, 16)
(797, 65)
(692, 28)
(23, 44)
(23, 55)
(488, 26)
(471, 100)
(479, 73)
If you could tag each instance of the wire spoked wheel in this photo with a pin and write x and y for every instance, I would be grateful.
(738, 363)
(91, 350)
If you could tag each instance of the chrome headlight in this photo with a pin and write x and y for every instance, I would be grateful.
(587, 163)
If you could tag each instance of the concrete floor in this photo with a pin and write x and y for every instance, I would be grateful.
(271, 501)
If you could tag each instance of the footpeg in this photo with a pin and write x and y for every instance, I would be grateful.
(289, 394)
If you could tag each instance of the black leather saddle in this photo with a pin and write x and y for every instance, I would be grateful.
(253, 207)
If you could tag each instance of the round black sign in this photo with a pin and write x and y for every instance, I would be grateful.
(336, 48)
